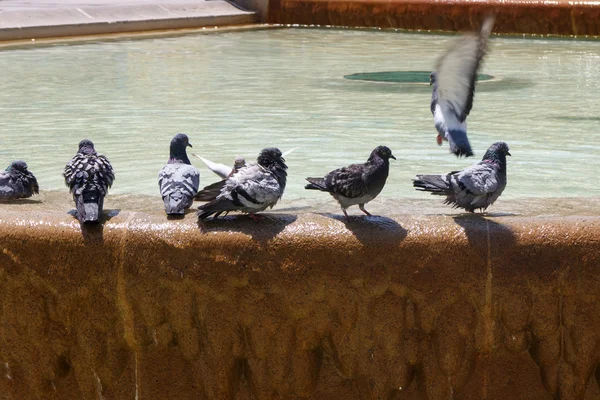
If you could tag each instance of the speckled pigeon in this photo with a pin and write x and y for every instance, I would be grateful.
(88, 176)
(252, 189)
(223, 170)
(476, 187)
(454, 87)
(356, 183)
(16, 182)
(179, 179)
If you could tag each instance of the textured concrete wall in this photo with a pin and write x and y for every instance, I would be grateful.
(299, 306)
(513, 16)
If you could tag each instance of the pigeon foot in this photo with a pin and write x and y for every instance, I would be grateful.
(439, 139)
(256, 217)
(362, 208)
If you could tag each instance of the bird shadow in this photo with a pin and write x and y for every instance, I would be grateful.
(21, 201)
(479, 228)
(94, 233)
(260, 231)
(372, 229)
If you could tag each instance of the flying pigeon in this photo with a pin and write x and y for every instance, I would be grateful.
(476, 187)
(88, 176)
(179, 179)
(356, 183)
(454, 86)
(252, 189)
(223, 170)
(16, 182)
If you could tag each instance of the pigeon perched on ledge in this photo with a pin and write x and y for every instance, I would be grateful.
(16, 182)
(88, 176)
(251, 189)
(179, 179)
(476, 187)
(356, 183)
(454, 87)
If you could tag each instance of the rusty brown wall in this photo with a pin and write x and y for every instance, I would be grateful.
(532, 17)
(299, 307)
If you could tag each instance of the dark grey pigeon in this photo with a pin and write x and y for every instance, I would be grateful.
(88, 176)
(476, 187)
(356, 183)
(251, 189)
(179, 179)
(16, 182)
(454, 87)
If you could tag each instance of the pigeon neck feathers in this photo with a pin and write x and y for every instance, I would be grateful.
(178, 154)
(496, 155)
(271, 159)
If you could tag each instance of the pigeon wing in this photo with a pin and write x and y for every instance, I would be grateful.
(221, 170)
(182, 178)
(348, 181)
(479, 179)
(456, 70)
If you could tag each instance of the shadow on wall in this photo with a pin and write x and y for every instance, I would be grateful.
(372, 230)
(262, 231)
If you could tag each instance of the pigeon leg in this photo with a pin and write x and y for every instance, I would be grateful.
(439, 139)
(345, 213)
(256, 217)
(362, 208)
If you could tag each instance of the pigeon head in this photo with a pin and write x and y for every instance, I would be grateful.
(383, 152)
(272, 159)
(239, 162)
(432, 78)
(178, 154)
(86, 147)
(497, 153)
(19, 165)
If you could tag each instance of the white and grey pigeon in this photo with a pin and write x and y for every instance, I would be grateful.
(88, 176)
(16, 182)
(179, 179)
(250, 190)
(356, 183)
(223, 170)
(454, 86)
(476, 187)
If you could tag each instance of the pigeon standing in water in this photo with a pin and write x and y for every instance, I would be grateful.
(252, 189)
(357, 183)
(454, 86)
(179, 179)
(16, 182)
(476, 187)
(88, 176)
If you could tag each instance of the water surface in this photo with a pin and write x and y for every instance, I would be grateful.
(234, 93)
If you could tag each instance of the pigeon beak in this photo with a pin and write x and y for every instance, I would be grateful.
(392, 156)
(189, 144)
(508, 153)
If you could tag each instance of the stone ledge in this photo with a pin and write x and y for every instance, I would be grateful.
(299, 306)
(513, 16)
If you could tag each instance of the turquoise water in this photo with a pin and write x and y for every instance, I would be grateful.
(234, 93)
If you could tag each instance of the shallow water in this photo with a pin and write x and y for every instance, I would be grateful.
(234, 93)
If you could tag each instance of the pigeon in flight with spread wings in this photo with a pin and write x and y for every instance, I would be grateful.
(88, 176)
(356, 183)
(251, 189)
(453, 84)
(476, 187)
(179, 179)
(16, 182)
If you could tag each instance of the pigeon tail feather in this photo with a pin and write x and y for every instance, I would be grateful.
(174, 206)
(436, 184)
(316, 184)
(459, 143)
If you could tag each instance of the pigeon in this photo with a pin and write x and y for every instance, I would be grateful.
(16, 182)
(223, 170)
(88, 176)
(356, 183)
(251, 189)
(476, 187)
(179, 179)
(453, 84)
